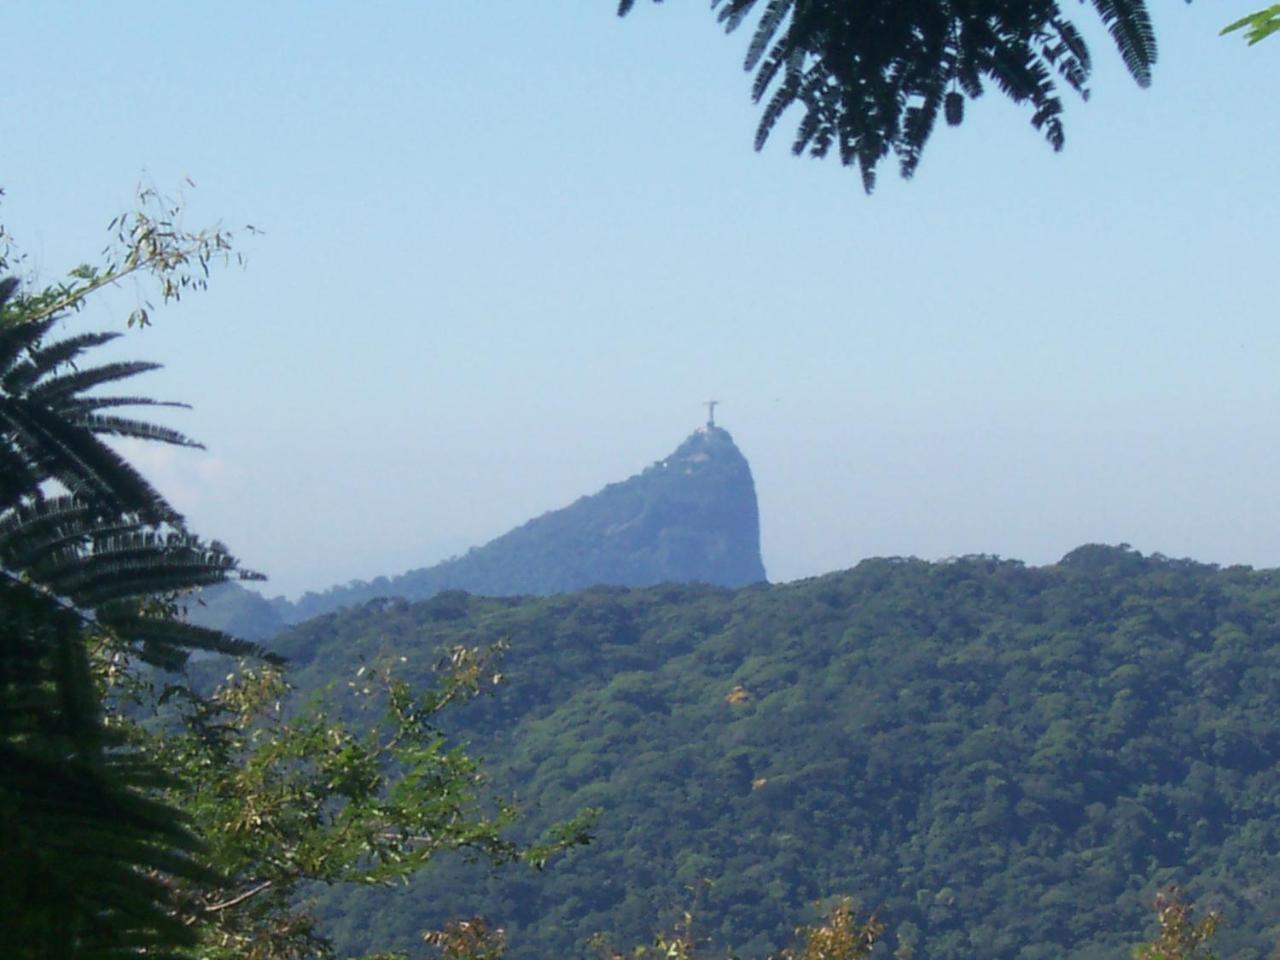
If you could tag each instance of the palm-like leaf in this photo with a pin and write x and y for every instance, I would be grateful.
(86, 851)
(50, 423)
(90, 858)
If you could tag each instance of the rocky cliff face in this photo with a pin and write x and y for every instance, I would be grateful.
(690, 517)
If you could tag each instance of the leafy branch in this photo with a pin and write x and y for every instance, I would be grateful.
(288, 797)
(1256, 26)
(1180, 936)
(149, 239)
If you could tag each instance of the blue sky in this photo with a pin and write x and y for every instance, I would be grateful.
(508, 248)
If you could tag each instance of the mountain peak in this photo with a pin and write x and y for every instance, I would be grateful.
(689, 517)
(710, 436)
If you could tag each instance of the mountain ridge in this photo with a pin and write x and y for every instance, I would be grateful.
(690, 517)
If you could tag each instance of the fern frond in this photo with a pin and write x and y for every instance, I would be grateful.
(806, 132)
(52, 390)
(16, 340)
(767, 73)
(87, 404)
(175, 639)
(732, 12)
(134, 564)
(64, 351)
(782, 98)
(32, 534)
(138, 429)
(775, 12)
(920, 118)
(1070, 36)
(1130, 27)
(72, 455)
(19, 483)
(1047, 116)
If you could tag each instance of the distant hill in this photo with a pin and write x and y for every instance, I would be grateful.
(690, 517)
(237, 611)
(1006, 762)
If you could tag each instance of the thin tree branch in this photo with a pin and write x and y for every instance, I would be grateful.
(237, 900)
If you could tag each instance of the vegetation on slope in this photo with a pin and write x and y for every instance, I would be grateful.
(998, 759)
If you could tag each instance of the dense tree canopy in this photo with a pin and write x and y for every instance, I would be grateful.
(871, 77)
(999, 760)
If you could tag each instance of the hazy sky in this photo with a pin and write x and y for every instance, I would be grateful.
(510, 246)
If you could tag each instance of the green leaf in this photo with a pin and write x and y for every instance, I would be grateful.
(1257, 26)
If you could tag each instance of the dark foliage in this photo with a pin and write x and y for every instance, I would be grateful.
(870, 76)
(88, 550)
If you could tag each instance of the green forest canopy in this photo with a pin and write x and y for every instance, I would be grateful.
(998, 759)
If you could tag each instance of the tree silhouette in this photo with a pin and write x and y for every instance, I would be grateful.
(89, 551)
(871, 77)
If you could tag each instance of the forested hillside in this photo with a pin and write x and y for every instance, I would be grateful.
(1004, 761)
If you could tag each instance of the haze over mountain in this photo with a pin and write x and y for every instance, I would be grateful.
(691, 517)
